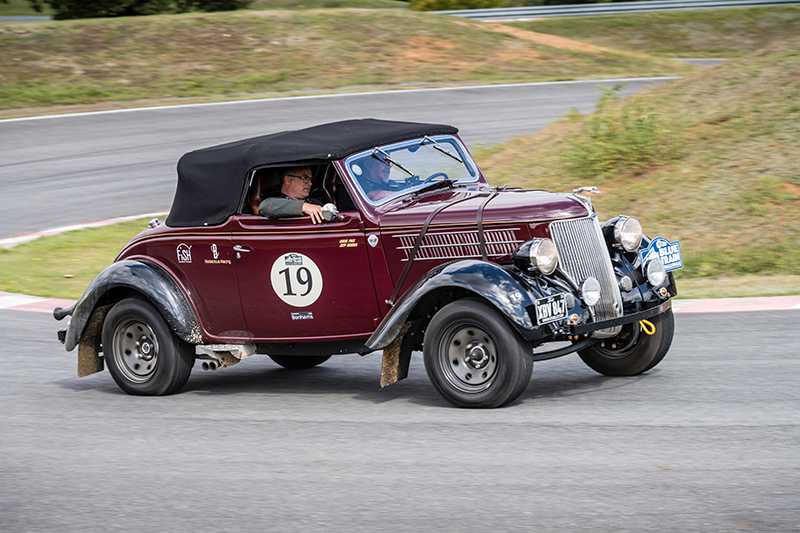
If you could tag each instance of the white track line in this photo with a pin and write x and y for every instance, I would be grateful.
(340, 95)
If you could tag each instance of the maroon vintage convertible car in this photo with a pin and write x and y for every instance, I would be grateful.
(479, 278)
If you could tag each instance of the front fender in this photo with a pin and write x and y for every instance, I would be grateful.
(151, 282)
(485, 279)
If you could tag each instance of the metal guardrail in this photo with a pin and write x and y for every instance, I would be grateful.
(582, 10)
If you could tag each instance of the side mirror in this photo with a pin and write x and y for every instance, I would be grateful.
(329, 213)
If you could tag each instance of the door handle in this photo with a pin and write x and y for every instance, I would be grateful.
(238, 248)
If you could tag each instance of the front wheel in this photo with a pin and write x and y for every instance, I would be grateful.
(633, 351)
(144, 356)
(474, 357)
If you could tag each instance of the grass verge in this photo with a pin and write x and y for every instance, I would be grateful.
(248, 53)
(62, 266)
(704, 33)
(732, 193)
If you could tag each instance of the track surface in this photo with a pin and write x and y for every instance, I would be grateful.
(71, 169)
(707, 441)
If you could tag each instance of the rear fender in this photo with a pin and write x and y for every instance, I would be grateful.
(487, 280)
(146, 279)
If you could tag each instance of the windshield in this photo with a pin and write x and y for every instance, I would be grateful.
(387, 172)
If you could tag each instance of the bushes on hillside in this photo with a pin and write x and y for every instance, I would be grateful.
(445, 5)
(617, 139)
(76, 9)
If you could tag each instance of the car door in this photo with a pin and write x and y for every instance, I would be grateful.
(300, 281)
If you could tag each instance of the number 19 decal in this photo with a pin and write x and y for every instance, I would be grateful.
(296, 279)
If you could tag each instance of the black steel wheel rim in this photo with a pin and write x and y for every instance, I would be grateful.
(135, 350)
(468, 358)
(622, 345)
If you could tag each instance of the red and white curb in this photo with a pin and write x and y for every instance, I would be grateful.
(21, 302)
(28, 237)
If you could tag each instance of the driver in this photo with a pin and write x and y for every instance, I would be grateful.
(293, 199)
(375, 178)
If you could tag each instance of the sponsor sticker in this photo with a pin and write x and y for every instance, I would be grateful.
(184, 253)
(669, 252)
(216, 260)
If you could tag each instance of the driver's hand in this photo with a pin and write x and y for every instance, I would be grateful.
(314, 211)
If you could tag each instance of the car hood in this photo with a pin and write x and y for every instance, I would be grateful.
(510, 206)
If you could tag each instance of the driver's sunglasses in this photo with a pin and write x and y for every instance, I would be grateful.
(306, 179)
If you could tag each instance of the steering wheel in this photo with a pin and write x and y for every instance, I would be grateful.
(434, 176)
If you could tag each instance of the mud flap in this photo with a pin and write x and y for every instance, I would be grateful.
(89, 360)
(397, 356)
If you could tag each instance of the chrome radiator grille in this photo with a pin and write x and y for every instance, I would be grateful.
(583, 253)
(460, 244)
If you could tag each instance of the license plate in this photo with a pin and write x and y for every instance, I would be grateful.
(551, 308)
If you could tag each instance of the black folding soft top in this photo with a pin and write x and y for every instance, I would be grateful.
(211, 181)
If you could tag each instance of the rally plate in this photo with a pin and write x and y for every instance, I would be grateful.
(551, 308)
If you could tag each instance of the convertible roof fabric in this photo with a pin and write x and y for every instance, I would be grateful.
(211, 181)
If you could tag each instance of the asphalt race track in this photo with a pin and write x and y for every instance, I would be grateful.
(708, 441)
(61, 170)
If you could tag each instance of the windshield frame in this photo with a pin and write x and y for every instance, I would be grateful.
(468, 163)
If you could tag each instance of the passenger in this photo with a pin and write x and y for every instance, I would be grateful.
(375, 178)
(293, 200)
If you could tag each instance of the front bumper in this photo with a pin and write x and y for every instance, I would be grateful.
(581, 329)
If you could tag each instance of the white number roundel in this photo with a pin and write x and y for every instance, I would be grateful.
(296, 279)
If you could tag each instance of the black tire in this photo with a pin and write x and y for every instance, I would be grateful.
(632, 351)
(144, 356)
(474, 357)
(299, 362)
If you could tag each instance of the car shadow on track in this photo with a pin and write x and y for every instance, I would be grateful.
(359, 378)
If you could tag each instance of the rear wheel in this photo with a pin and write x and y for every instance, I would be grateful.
(473, 356)
(144, 356)
(632, 351)
(294, 362)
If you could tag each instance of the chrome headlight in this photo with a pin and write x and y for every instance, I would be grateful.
(590, 291)
(628, 233)
(538, 255)
(655, 271)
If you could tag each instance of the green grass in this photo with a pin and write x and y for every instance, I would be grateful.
(22, 8)
(706, 33)
(39, 267)
(247, 53)
(732, 196)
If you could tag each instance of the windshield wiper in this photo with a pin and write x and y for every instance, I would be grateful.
(441, 149)
(389, 161)
(448, 183)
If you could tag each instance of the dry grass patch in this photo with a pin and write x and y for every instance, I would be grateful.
(253, 53)
(732, 196)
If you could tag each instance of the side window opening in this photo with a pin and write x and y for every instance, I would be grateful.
(327, 186)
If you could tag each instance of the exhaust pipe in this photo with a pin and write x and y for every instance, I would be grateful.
(210, 365)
